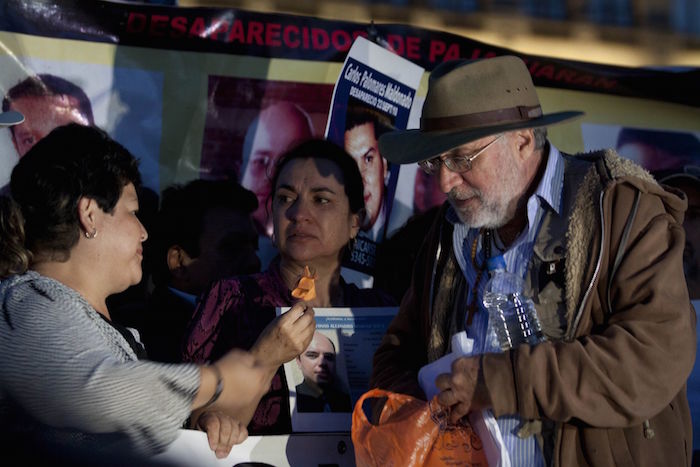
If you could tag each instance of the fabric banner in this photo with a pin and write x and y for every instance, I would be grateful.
(199, 92)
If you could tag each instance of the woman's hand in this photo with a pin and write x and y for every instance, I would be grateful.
(222, 431)
(285, 337)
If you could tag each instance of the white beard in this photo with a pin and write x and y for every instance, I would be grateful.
(496, 207)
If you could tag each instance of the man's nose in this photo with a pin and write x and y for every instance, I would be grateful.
(447, 179)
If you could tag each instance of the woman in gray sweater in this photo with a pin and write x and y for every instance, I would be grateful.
(70, 378)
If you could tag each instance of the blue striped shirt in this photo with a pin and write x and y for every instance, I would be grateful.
(523, 452)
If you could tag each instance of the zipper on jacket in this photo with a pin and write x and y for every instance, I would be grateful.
(577, 318)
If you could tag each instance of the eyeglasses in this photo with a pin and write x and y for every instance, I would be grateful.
(457, 164)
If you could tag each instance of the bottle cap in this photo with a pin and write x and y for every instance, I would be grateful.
(496, 262)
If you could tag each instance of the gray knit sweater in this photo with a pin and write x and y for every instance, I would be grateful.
(67, 371)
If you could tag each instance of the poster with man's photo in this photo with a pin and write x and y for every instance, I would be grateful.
(660, 151)
(326, 380)
(125, 102)
(375, 93)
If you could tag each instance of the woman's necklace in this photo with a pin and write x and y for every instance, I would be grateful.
(485, 235)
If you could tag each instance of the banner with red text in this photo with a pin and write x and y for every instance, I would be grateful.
(192, 92)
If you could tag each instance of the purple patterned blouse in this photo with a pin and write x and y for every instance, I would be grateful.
(234, 312)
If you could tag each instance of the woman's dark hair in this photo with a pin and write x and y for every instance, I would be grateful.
(71, 162)
(324, 149)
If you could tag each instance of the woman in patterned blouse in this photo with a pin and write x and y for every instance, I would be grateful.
(317, 205)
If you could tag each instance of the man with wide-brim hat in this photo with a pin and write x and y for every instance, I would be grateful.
(599, 246)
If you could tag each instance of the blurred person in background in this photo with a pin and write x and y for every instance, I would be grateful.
(203, 232)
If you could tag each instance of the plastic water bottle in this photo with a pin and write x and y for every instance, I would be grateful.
(512, 316)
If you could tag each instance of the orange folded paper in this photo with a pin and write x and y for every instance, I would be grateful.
(306, 287)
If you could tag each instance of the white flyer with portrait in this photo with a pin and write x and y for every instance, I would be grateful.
(327, 379)
(375, 93)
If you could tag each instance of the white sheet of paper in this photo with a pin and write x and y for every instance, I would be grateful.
(192, 449)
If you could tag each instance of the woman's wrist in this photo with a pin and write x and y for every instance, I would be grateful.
(211, 385)
(218, 389)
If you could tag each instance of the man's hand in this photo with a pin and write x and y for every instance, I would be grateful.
(463, 390)
(222, 432)
(285, 337)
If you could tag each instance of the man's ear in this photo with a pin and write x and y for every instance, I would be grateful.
(177, 259)
(87, 214)
(525, 140)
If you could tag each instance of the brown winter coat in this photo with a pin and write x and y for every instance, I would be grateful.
(608, 388)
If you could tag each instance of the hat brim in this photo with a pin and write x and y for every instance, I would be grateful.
(11, 117)
(409, 146)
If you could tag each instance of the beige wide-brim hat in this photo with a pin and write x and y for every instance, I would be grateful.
(468, 100)
(11, 117)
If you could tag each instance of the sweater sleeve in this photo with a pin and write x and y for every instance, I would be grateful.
(59, 368)
(626, 364)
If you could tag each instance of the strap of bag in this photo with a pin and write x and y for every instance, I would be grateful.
(393, 399)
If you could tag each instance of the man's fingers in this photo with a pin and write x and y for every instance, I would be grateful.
(443, 381)
(458, 411)
(466, 365)
(447, 398)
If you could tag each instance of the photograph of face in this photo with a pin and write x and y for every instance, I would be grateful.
(125, 102)
(658, 149)
(655, 150)
(278, 127)
(251, 123)
(363, 127)
(47, 101)
(426, 192)
(320, 390)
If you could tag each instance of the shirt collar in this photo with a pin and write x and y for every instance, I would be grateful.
(552, 183)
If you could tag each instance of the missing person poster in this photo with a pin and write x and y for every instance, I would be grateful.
(374, 94)
(328, 378)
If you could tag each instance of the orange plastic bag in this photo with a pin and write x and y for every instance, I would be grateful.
(412, 432)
